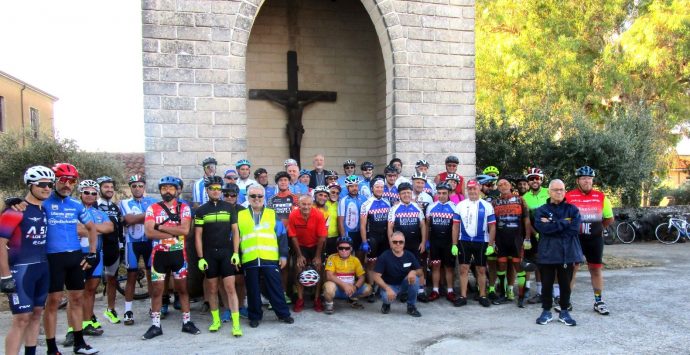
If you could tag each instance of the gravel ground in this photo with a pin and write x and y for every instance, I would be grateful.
(646, 317)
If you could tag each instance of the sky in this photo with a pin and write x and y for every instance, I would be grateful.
(88, 54)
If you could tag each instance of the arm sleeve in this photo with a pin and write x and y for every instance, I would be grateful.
(149, 214)
(85, 216)
(607, 211)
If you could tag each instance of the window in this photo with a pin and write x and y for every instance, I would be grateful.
(34, 122)
(2, 114)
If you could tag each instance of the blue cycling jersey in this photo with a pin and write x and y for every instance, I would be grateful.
(376, 210)
(299, 188)
(199, 194)
(26, 232)
(135, 232)
(391, 194)
(407, 219)
(349, 208)
(63, 215)
(98, 217)
(441, 217)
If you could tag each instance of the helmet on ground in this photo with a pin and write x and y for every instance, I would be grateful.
(443, 186)
(169, 180)
(321, 188)
(209, 161)
(65, 169)
(103, 179)
(584, 171)
(280, 175)
(38, 172)
(367, 165)
(452, 159)
(490, 170)
(349, 162)
(136, 178)
(213, 180)
(534, 171)
(351, 180)
(486, 179)
(422, 162)
(419, 176)
(243, 162)
(89, 184)
(230, 187)
(453, 177)
(390, 169)
(309, 277)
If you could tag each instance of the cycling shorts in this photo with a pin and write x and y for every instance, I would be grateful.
(136, 250)
(163, 262)
(111, 270)
(440, 252)
(593, 249)
(509, 246)
(472, 253)
(331, 246)
(65, 271)
(32, 282)
(378, 243)
(219, 263)
(96, 271)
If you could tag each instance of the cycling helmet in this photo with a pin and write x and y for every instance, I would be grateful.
(136, 178)
(390, 169)
(518, 178)
(89, 183)
(352, 180)
(490, 170)
(213, 180)
(422, 162)
(181, 182)
(38, 172)
(330, 174)
(419, 176)
(290, 162)
(534, 171)
(231, 187)
(486, 179)
(404, 186)
(103, 179)
(65, 169)
(376, 179)
(243, 162)
(349, 162)
(209, 161)
(584, 171)
(334, 184)
(169, 180)
(309, 277)
(443, 186)
(344, 239)
(453, 177)
(367, 165)
(280, 175)
(304, 172)
(259, 171)
(452, 159)
(321, 188)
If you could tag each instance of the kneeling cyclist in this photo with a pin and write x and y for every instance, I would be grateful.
(345, 276)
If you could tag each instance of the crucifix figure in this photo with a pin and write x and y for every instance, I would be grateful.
(294, 102)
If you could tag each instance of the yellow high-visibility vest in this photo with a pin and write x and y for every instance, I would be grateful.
(258, 241)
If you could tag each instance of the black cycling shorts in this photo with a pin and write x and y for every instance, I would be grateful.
(472, 253)
(356, 240)
(172, 262)
(331, 246)
(65, 271)
(440, 251)
(593, 249)
(509, 246)
(219, 263)
(378, 243)
(136, 250)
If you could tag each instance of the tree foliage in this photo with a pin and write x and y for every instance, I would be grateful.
(47, 151)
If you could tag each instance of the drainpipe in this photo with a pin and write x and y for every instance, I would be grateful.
(21, 102)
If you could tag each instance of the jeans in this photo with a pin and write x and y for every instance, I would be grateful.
(411, 290)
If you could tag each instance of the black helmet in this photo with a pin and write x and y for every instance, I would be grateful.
(452, 159)
(259, 171)
(231, 187)
(213, 180)
(209, 160)
(367, 165)
(443, 186)
(282, 174)
(349, 162)
(390, 169)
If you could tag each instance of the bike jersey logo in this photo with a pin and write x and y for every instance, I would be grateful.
(54, 207)
(351, 216)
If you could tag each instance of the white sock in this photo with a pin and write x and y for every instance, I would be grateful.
(436, 289)
(538, 287)
(156, 318)
(449, 289)
(526, 284)
(186, 317)
(128, 306)
(421, 290)
(556, 291)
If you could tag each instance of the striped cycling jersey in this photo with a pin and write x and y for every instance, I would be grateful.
(440, 216)
(376, 210)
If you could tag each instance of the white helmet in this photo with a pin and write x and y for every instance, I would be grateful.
(309, 278)
(88, 183)
(38, 172)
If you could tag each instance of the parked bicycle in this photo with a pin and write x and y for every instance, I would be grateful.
(628, 228)
(670, 232)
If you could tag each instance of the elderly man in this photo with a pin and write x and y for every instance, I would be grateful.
(317, 175)
(396, 271)
(558, 223)
(264, 252)
(296, 187)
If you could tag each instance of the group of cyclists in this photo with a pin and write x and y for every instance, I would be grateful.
(355, 237)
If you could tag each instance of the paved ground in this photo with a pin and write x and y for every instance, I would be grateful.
(649, 314)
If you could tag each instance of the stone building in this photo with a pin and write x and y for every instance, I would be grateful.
(403, 72)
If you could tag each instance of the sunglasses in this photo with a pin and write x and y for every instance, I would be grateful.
(398, 241)
(44, 184)
(231, 177)
(92, 193)
(214, 188)
(227, 194)
(367, 169)
(137, 186)
(256, 196)
(344, 248)
(534, 178)
(67, 180)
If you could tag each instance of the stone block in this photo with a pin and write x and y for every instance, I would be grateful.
(158, 32)
(464, 25)
(402, 109)
(177, 103)
(408, 96)
(195, 117)
(177, 47)
(195, 90)
(410, 20)
(238, 131)
(212, 20)
(213, 131)
(211, 76)
(420, 8)
(408, 121)
(420, 33)
(153, 158)
(212, 104)
(234, 90)
(196, 145)
(240, 36)
(194, 5)
(238, 49)
(172, 18)
(193, 61)
(153, 130)
(160, 116)
(179, 158)
(221, 34)
(229, 118)
(194, 33)
(158, 60)
(160, 144)
(230, 145)
(177, 75)
(213, 48)
(449, 11)
(155, 88)
(149, 45)
(225, 7)
(462, 48)
(422, 84)
(407, 147)
(152, 102)
(435, 47)
(151, 74)
(435, 22)
(179, 131)
(220, 62)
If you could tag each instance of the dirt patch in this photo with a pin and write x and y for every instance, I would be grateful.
(614, 263)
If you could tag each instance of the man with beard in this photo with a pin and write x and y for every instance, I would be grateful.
(111, 243)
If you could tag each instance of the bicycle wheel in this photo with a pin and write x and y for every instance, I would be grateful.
(609, 235)
(667, 234)
(625, 232)
(140, 284)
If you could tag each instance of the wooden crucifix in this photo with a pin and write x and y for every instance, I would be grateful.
(293, 101)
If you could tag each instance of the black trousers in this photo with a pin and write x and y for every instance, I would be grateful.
(548, 275)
